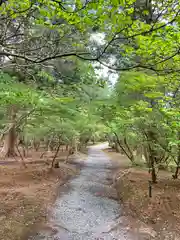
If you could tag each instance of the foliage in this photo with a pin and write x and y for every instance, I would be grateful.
(67, 113)
(49, 87)
(146, 117)
(136, 34)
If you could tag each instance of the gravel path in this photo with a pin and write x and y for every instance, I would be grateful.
(82, 211)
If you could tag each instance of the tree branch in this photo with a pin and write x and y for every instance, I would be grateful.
(76, 54)
(75, 11)
(15, 12)
(150, 30)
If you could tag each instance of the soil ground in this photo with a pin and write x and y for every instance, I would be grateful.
(162, 211)
(26, 194)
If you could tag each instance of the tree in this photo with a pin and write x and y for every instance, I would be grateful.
(53, 110)
(137, 34)
(145, 115)
(42, 47)
(18, 102)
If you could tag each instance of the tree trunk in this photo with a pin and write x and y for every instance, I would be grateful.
(130, 152)
(54, 164)
(124, 149)
(110, 140)
(153, 170)
(22, 159)
(117, 148)
(153, 175)
(49, 148)
(175, 176)
(9, 143)
(151, 155)
(36, 144)
(132, 159)
(75, 144)
(24, 145)
(71, 151)
(11, 136)
(152, 167)
(139, 152)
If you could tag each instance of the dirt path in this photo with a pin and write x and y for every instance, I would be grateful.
(84, 210)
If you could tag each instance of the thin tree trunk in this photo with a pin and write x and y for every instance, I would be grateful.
(117, 147)
(24, 151)
(36, 145)
(23, 145)
(110, 141)
(71, 151)
(153, 175)
(151, 156)
(11, 136)
(175, 176)
(49, 144)
(22, 159)
(75, 145)
(56, 153)
(122, 148)
(9, 143)
(42, 154)
(153, 170)
(129, 150)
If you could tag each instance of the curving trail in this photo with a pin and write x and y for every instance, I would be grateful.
(83, 211)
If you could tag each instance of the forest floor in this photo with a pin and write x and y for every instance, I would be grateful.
(26, 194)
(162, 211)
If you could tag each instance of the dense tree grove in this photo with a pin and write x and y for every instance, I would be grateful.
(143, 119)
(51, 92)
